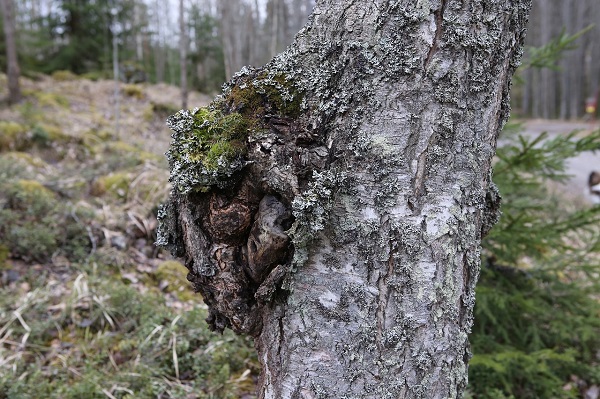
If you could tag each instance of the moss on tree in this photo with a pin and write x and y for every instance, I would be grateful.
(210, 143)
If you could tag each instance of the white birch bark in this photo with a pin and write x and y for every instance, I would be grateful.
(386, 170)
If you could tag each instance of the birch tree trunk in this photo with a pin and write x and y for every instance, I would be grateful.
(332, 204)
(13, 71)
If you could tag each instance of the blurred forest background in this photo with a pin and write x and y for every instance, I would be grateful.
(219, 37)
(90, 308)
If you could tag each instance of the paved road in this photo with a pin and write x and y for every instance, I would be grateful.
(579, 167)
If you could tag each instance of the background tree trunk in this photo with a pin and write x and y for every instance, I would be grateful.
(566, 62)
(375, 130)
(577, 99)
(274, 25)
(13, 71)
(183, 46)
(159, 53)
(139, 38)
(225, 20)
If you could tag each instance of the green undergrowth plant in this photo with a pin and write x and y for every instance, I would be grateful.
(547, 56)
(536, 314)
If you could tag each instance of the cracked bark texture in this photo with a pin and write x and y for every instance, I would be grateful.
(348, 245)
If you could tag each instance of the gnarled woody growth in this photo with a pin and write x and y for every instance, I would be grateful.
(237, 167)
(339, 217)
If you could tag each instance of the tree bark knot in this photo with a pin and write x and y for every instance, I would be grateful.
(231, 223)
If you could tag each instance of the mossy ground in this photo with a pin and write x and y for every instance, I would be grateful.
(85, 334)
(172, 277)
(89, 307)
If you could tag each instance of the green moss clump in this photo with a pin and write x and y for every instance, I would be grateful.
(148, 113)
(175, 275)
(116, 155)
(116, 184)
(95, 76)
(64, 76)
(48, 99)
(162, 110)
(124, 149)
(210, 144)
(133, 90)
(171, 270)
(26, 159)
(266, 93)
(208, 148)
(9, 128)
(32, 195)
(12, 135)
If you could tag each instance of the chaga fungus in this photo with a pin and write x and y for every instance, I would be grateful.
(236, 166)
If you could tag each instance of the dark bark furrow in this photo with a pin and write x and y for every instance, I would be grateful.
(439, 20)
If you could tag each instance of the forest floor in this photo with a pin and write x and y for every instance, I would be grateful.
(89, 307)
